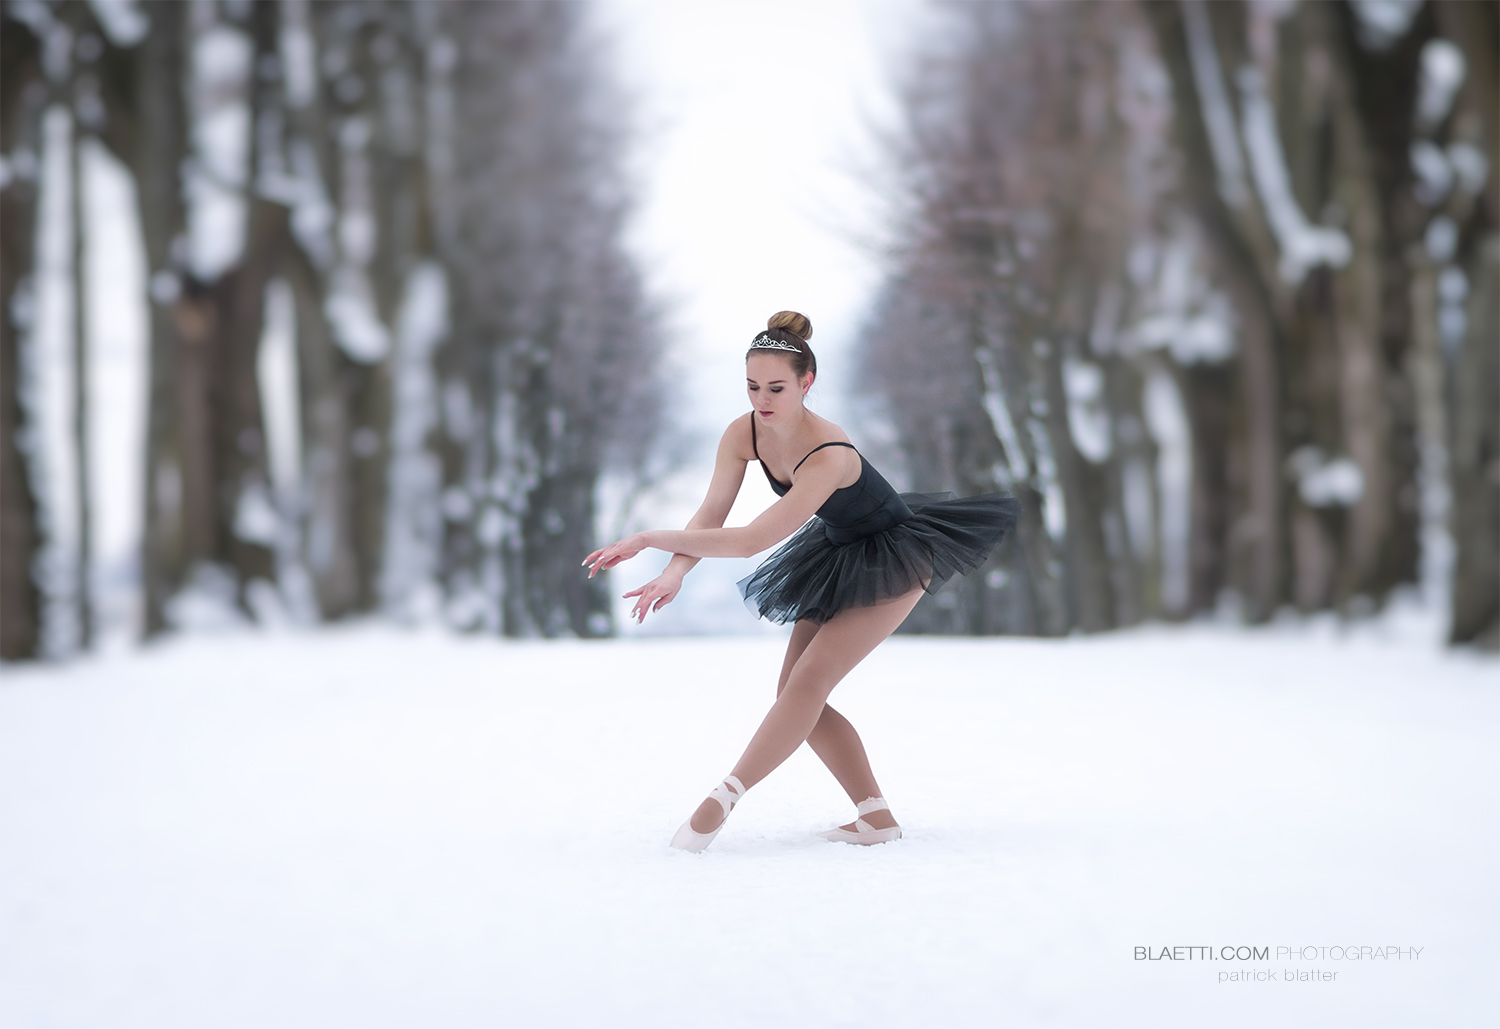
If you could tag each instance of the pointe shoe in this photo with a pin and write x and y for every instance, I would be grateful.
(864, 833)
(727, 793)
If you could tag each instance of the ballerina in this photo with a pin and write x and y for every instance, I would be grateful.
(859, 558)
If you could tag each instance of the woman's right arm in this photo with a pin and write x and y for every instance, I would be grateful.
(729, 473)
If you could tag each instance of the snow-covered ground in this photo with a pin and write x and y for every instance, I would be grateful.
(375, 827)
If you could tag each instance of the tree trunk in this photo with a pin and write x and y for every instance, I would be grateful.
(1281, 328)
(1475, 448)
(156, 145)
(1476, 462)
(241, 469)
(22, 96)
(1084, 489)
(83, 568)
(239, 487)
(324, 378)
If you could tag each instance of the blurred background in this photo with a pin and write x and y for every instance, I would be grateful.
(335, 334)
(370, 307)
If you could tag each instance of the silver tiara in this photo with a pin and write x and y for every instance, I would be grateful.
(765, 342)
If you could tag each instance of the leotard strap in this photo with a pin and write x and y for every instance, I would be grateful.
(781, 487)
(814, 450)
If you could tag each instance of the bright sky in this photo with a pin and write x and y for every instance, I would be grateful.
(753, 160)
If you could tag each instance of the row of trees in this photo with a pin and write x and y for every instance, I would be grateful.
(426, 199)
(1212, 286)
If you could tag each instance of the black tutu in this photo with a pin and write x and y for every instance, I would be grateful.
(820, 571)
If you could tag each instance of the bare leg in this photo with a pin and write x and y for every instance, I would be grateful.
(830, 652)
(834, 739)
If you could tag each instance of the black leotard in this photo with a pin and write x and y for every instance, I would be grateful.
(869, 506)
(868, 544)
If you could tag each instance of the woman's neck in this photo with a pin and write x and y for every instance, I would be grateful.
(792, 430)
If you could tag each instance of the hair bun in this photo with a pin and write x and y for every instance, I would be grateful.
(793, 322)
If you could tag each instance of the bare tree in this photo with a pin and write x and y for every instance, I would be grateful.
(23, 93)
(415, 175)
(552, 347)
(146, 126)
(1333, 214)
(1019, 220)
(1472, 128)
(1209, 356)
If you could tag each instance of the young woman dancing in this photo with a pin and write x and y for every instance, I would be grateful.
(848, 577)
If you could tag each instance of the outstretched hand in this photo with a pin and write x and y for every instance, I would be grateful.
(655, 595)
(620, 550)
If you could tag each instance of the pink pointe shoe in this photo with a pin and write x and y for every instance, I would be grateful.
(864, 833)
(727, 793)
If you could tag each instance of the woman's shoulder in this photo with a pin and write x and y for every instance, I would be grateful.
(832, 432)
(837, 454)
(737, 437)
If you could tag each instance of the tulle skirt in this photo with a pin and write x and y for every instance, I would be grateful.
(812, 577)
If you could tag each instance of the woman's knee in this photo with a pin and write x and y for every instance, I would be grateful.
(811, 681)
(802, 635)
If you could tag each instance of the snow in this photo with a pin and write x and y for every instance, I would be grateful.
(298, 58)
(1088, 415)
(1383, 22)
(413, 526)
(1452, 320)
(1453, 288)
(1054, 507)
(1442, 73)
(367, 826)
(1303, 245)
(123, 21)
(1453, 285)
(356, 324)
(1135, 490)
(276, 376)
(1182, 312)
(216, 175)
(1168, 421)
(166, 287)
(1434, 175)
(1218, 115)
(207, 603)
(1441, 238)
(1325, 481)
(312, 211)
(1470, 164)
(255, 518)
(999, 414)
(43, 310)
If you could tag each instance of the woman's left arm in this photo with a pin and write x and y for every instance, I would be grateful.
(816, 481)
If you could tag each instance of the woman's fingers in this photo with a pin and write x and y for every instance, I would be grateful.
(601, 561)
(608, 557)
(650, 599)
(604, 557)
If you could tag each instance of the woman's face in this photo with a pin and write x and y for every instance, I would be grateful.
(773, 387)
